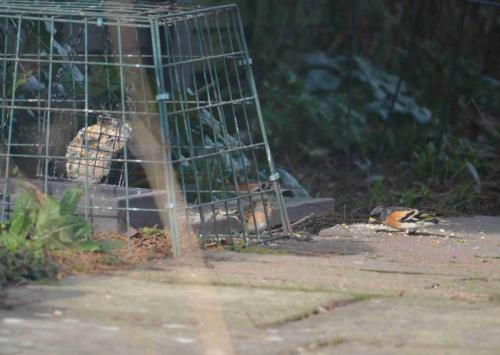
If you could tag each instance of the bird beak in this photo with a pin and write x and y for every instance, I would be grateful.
(372, 220)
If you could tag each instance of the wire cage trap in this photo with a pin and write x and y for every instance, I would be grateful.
(151, 108)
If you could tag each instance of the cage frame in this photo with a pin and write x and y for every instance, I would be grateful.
(137, 15)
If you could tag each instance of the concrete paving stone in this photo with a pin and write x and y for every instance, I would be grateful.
(350, 290)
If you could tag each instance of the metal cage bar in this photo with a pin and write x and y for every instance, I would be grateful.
(84, 78)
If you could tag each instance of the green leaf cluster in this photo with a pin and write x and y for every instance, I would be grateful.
(39, 225)
(42, 222)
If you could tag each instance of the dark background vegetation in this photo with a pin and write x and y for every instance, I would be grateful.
(328, 73)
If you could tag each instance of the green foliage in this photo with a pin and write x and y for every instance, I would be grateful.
(42, 222)
(21, 222)
(315, 125)
(312, 108)
(25, 263)
(38, 226)
(458, 160)
(373, 87)
(150, 231)
(461, 198)
(101, 246)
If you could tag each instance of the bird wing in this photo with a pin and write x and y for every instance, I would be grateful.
(405, 219)
(396, 218)
(410, 216)
(428, 217)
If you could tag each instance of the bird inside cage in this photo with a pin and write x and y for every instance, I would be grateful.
(91, 152)
(258, 215)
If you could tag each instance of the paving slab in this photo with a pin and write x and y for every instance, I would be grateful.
(353, 289)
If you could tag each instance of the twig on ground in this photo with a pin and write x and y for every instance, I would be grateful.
(310, 215)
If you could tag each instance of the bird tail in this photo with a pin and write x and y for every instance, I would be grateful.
(429, 218)
(434, 219)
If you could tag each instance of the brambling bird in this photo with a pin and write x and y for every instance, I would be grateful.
(405, 219)
(257, 215)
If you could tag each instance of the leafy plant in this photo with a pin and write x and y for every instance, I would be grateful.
(312, 109)
(457, 159)
(24, 263)
(150, 231)
(42, 222)
(373, 86)
(39, 226)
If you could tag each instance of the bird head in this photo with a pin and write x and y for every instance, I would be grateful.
(377, 215)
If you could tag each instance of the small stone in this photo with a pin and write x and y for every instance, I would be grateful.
(57, 313)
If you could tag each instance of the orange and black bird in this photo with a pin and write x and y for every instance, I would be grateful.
(408, 220)
(256, 215)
